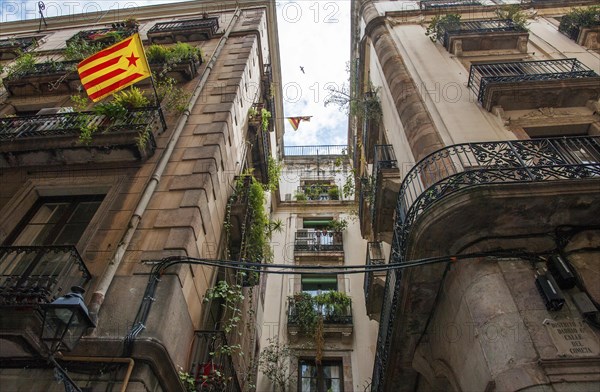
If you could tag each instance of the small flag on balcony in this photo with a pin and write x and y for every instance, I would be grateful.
(295, 121)
(114, 68)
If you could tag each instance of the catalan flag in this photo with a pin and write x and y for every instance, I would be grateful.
(295, 121)
(114, 68)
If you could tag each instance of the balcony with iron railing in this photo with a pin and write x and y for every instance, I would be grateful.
(365, 200)
(313, 245)
(31, 276)
(386, 182)
(35, 140)
(479, 190)
(435, 4)
(337, 318)
(582, 26)
(318, 192)
(374, 283)
(260, 125)
(212, 368)
(483, 35)
(199, 29)
(322, 150)
(533, 84)
(49, 78)
(11, 48)
(106, 36)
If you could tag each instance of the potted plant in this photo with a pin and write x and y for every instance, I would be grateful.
(337, 226)
(333, 192)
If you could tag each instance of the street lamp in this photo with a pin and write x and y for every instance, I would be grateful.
(65, 321)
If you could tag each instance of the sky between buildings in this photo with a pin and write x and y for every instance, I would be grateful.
(313, 34)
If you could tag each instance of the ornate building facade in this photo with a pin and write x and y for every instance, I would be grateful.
(102, 212)
(479, 171)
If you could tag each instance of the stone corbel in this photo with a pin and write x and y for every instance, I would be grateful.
(457, 49)
(499, 111)
(522, 44)
(293, 336)
(347, 336)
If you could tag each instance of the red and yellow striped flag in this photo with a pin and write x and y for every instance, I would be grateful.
(114, 68)
(295, 121)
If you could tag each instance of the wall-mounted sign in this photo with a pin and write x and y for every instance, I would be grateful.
(573, 338)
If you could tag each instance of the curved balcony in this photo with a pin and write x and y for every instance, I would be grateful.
(54, 138)
(477, 193)
(523, 85)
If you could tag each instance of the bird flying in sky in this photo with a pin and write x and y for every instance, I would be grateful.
(302, 69)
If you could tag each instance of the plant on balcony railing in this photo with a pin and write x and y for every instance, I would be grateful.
(256, 229)
(212, 366)
(22, 65)
(107, 36)
(515, 14)
(121, 106)
(318, 192)
(274, 169)
(172, 56)
(579, 18)
(439, 25)
(310, 313)
(263, 117)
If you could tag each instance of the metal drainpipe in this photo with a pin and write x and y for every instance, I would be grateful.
(106, 279)
(129, 361)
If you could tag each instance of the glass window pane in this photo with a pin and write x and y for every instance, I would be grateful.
(84, 212)
(70, 234)
(335, 386)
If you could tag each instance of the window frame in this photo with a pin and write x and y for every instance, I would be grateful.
(339, 362)
(34, 189)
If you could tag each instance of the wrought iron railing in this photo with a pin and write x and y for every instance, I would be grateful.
(210, 24)
(428, 4)
(239, 205)
(375, 256)
(70, 124)
(482, 75)
(212, 368)
(384, 158)
(318, 241)
(48, 68)
(21, 43)
(331, 314)
(104, 36)
(316, 150)
(39, 274)
(466, 166)
(478, 27)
